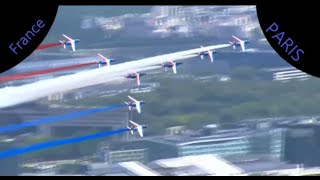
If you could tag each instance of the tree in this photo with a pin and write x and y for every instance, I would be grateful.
(72, 168)
(244, 73)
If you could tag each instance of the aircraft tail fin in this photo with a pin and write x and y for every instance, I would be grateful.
(174, 68)
(63, 43)
(129, 107)
(232, 45)
(130, 129)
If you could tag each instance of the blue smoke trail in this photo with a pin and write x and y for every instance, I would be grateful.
(15, 127)
(34, 147)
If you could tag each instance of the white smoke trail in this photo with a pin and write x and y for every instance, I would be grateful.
(11, 96)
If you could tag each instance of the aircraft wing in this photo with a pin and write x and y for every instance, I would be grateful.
(101, 56)
(235, 38)
(210, 53)
(140, 130)
(134, 124)
(138, 107)
(174, 68)
(138, 79)
(66, 37)
(132, 99)
(243, 46)
(73, 45)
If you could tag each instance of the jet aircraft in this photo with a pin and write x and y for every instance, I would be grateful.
(134, 103)
(172, 65)
(136, 127)
(69, 42)
(238, 42)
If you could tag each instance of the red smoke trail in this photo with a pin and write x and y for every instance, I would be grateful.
(40, 72)
(48, 45)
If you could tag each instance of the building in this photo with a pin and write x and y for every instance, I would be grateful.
(122, 169)
(167, 11)
(123, 151)
(241, 142)
(303, 143)
(257, 163)
(299, 139)
(203, 165)
(139, 155)
(236, 142)
(200, 165)
(285, 74)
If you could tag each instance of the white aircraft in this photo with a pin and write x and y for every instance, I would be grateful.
(136, 127)
(69, 41)
(172, 65)
(135, 103)
(209, 53)
(239, 42)
(135, 75)
(104, 60)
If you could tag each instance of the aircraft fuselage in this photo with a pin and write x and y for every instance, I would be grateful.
(134, 76)
(169, 65)
(131, 104)
(205, 53)
(237, 44)
(69, 44)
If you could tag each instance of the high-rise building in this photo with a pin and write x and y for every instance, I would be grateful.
(242, 143)
(303, 144)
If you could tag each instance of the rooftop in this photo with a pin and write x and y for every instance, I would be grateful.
(259, 163)
(122, 169)
(219, 136)
(138, 169)
(196, 165)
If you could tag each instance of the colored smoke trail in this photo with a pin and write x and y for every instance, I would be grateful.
(43, 71)
(34, 147)
(15, 127)
(48, 45)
